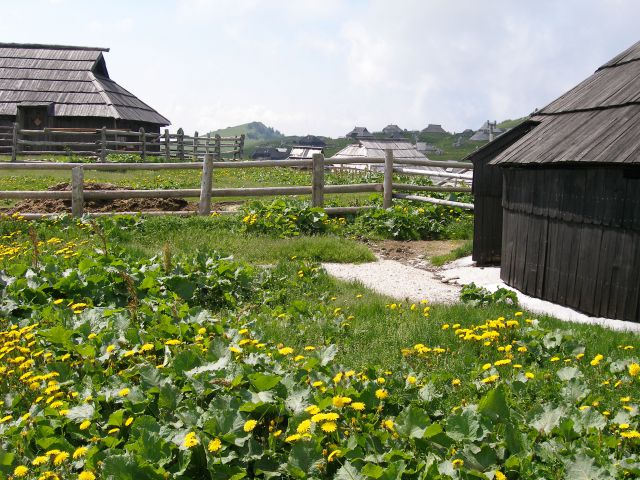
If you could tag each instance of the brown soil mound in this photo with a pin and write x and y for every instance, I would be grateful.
(118, 205)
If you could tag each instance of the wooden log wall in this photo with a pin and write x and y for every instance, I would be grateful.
(572, 236)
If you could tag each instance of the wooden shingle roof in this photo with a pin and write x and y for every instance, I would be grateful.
(375, 148)
(598, 121)
(74, 79)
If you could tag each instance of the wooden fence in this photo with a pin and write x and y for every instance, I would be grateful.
(101, 142)
(317, 190)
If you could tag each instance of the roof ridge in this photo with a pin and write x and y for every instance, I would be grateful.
(605, 66)
(43, 46)
(589, 109)
(104, 95)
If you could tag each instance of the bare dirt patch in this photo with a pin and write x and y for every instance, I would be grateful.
(117, 205)
(414, 253)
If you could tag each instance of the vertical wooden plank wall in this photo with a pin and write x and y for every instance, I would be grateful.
(571, 236)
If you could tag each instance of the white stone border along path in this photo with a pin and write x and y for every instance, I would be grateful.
(403, 282)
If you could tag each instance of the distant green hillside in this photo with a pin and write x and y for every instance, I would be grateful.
(511, 123)
(253, 131)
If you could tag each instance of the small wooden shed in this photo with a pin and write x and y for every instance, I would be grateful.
(571, 196)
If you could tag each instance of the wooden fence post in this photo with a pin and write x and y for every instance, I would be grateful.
(195, 147)
(143, 145)
(317, 180)
(14, 142)
(388, 179)
(204, 207)
(167, 146)
(241, 149)
(77, 191)
(216, 148)
(103, 144)
(180, 144)
(206, 144)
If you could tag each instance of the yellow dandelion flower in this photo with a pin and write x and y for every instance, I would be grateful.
(173, 341)
(623, 426)
(456, 382)
(249, 425)
(358, 406)
(411, 380)
(124, 392)
(304, 426)
(293, 438)
(20, 471)
(84, 425)
(79, 452)
(40, 460)
(457, 463)
(631, 434)
(388, 424)
(128, 422)
(634, 369)
(339, 401)
(60, 458)
(332, 455)
(214, 445)
(499, 475)
(381, 394)
(329, 427)
(285, 351)
(312, 409)
(490, 379)
(190, 440)
(86, 475)
(596, 360)
(486, 366)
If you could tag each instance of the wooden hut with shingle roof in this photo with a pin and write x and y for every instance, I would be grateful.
(66, 87)
(571, 196)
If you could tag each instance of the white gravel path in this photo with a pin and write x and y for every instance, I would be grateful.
(396, 280)
(403, 282)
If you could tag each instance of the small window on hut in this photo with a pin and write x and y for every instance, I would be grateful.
(632, 173)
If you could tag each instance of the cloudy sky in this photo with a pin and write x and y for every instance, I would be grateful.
(323, 66)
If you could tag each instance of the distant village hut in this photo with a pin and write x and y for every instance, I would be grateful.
(359, 132)
(64, 87)
(488, 131)
(571, 196)
(434, 128)
(393, 131)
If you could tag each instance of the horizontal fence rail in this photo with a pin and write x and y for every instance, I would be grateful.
(101, 142)
(318, 188)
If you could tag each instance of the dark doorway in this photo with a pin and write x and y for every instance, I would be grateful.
(33, 117)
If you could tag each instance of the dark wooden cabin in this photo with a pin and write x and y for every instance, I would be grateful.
(53, 86)
(571, 197)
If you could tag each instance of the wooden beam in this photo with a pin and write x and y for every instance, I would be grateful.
(437, 201)
(388, 179)
(317, 180)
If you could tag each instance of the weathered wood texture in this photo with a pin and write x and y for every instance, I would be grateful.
(572, 236)
(487, 191)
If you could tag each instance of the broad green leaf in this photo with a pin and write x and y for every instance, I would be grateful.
(412, 422)
(464, 426)
(568, 373)
(262, 382)
(127, 467)
(348, 472)
(548, 419)
(372, 470)
(58, 335)
(81, 412)
(584, 468)
(494, 404)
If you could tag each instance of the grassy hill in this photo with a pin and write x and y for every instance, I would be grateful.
(253, 131)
